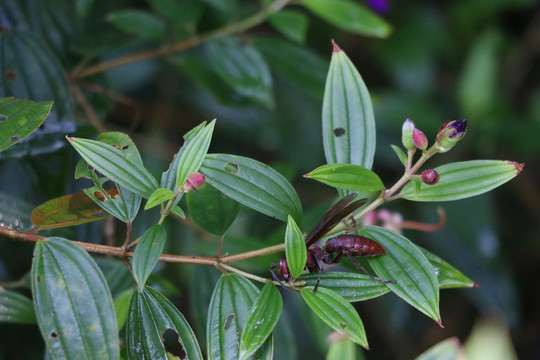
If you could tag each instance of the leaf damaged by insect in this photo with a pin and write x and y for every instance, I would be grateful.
(231, 168)
(172, 344)
(339, 131)
(228, 321)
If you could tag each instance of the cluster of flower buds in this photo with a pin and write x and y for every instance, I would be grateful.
(413, 138)
(194, 181)
(384, 218)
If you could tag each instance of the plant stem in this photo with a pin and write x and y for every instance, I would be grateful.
(234, 28)
(243, 273)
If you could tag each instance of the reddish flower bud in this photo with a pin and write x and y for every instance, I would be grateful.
(420, 140)
(194, 181)
(430, 177)
(407, 135)
(450, 133)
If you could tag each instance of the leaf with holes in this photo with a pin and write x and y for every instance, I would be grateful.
(252, 184)
(337, 312)
(147, 253)
(19, 118)
(212, 210)
(347, 177)
(351, 286)
(347, 115)
(463, 179)
(416, 281)
(448, 276)
(73, 303)
(16, 308)
(156, 329)
(228, 312)
(263, 317)
(112, 163)
(295, 248)
(193, 154)
(68, 210)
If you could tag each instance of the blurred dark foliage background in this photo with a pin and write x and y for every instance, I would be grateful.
(474, 59)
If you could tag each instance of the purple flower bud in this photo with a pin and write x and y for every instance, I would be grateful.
(450, 133)
(407, 135)
(380, 6)
(194, 181)
(420, 140)
(430, 177)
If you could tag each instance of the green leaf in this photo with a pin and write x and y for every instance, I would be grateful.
(416, 282)
(112, 163)
(73, 303)
(293, 24)
(295, 248)
(147, 253)
(193, 154)
(19, 118)
(349, 16)
(242, 68)
(212, 210)
(347, 176)
(121, 307)
(263, 317)
(179, 12)
(464, 179)
(156, 329)
(347, 115)
(67, 210)
(228, 312)
(449, 349)
(252, 184)
(351, 286)
(176, 210)
(159, 196)
(448, 276)
(336, 312)
(16, 308)
(343, 349)
(400, 154)
(138, 22)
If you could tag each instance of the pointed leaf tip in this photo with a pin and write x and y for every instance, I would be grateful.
(336, 47)
(439, 321)
(519, 167)
(69, 139)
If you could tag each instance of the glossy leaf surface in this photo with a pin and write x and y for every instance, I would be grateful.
(347, 176)
(347, 115)
(73, 303)
(252, 184)
(416, 282)
(16, 308)
(464, 179)
(156, 329)
(147, 253)
(336, 312)
(263, 317)
(19, 118)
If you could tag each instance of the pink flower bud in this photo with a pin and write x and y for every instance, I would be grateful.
(420, 140)
(450, 133)
(430, 177)
(194, 181)
(407, 135)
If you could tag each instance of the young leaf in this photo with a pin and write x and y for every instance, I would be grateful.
(112, 163)
(19, 118)
(121, 307)
(242, 68)
(347, 115)
(448, 276)
(229, 308)
(156, 329)
(147, 253)
(347, 176)
(336, 312)
(159, 196)
(263, 317)
(137, 22)
(212, 210)
(293, 24)
(67, 210)
(464, 179)
(193, 154)
(252, 184)
(295, 248)
(351, 286)
(16, 308)
(400, 154)
(349, 16)
(176, 210)
(416, 282)
(450, 349)
(73, 303)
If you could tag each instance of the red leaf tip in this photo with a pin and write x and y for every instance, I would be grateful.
(69, 139)
(475, 286)
(519, 167)
(336, 47)
(439, 321)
